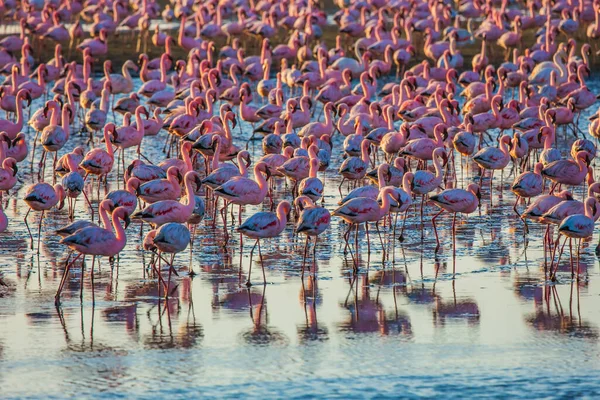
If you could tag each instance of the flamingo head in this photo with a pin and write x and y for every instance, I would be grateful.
(60, 192)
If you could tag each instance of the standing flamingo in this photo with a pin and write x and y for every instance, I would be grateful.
(42, 197)
(96, 241)
(455, 201)
(263, 225)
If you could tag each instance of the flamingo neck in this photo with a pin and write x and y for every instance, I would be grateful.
(365, 154)
(216, 156)
(118, 228)
(109, 148)
(385, 204)
(104, 218)
(380, 178)
(504, 147)
(281, 217)
(65, 121)
(19, 112)
(191, 198)
(54, 117)
(104, 100)
(139, 122)
(262, 182)
(242, 165)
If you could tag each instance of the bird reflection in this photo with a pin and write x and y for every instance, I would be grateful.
(261, 334)
(456, 309)
(368, 315)
(187, 334)
(552, 317)
(309, 298)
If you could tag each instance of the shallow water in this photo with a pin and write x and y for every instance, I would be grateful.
(403, 328)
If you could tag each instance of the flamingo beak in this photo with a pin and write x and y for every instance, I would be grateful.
(478, 194)
(15, 169)
(127, 221)
(198, 181)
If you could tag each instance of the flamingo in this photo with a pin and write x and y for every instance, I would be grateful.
(164, 211)
(455, 201)
(96, 241)
(364, 210)
(578, 226)
(42, 197)
(171, 238)
(263, 225)
(312, 222)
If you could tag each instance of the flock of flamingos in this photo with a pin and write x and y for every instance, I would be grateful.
(402, 145)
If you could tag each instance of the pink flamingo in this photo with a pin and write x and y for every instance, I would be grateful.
(527, 185)
(312, 222)
(169, 238)
(42, 197)
(13, 128)
(160, 189)
(96, 241)
(98, 161)
(165, 211)
(263, 225)
(364, 210)
(55, 136)
(493, 158)
(568, 172)
(97, 46)
(578, 226)
(423, 182)
(455, 201)
(355, 168)
(312, 186)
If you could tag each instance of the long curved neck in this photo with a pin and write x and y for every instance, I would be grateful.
(191, 198)
(365, 154)
(54, 118)
(216, 156)
(19, 111)
(385, 205)
(119, 231)
(504, 147)
(104, 101)
(380, 178)
(139, 122)
(104, 218)
(281, 217)
(186, 159)
(406, 184)
(262, 182)
(563, 69)
(163, 70)
(125, 71)
(549, 140)
(109, 148)
(242, 165)
(65, 121)
(439, 174)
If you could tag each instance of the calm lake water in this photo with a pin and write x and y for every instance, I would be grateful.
(403, 328)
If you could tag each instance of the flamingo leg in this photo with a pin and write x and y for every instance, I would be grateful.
(248, 283)
(81, 279)
(92, 279)
(64, 279)
(304, 258)
(40, 231)
(262, 264)
(437, 239)
(28, 230)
